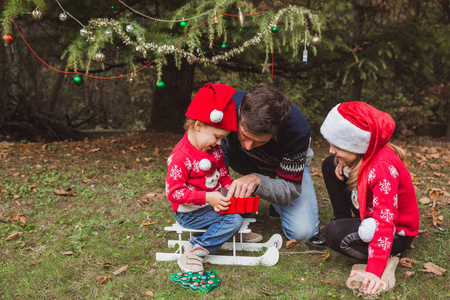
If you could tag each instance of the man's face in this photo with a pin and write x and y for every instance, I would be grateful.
(249, 140)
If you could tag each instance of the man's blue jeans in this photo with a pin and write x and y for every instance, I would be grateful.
(219, 228)
(300, 219)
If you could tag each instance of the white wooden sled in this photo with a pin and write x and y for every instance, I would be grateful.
(269, 258)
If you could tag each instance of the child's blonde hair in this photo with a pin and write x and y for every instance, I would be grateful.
(354, 168)
(189, 124)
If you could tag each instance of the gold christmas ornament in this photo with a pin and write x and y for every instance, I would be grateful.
(36, 14)
(315, 41)
(99, 57)
(241, 18)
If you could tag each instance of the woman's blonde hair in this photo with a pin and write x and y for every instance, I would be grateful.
(356, 165)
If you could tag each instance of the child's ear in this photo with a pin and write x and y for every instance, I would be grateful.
(198, 125)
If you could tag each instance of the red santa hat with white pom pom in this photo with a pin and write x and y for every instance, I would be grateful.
(213, 106)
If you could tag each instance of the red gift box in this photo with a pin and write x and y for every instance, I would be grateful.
(241, 205)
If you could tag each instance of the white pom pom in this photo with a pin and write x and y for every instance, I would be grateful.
(204, 164)
(367, 229)
(216, 116)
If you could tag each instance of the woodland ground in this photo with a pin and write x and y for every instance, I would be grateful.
(74, 212)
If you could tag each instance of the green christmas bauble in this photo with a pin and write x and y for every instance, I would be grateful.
(223, 46)
(160, 85)
(78, 80)
(183, 24)
(274, 29)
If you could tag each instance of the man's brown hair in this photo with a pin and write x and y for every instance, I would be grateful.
(264, 109)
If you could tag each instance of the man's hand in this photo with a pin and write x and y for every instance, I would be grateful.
(371, 282)
(244, 186)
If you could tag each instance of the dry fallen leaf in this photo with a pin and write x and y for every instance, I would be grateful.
(406, 262)
(409, 273)
(23, 220)
(13, 236)
(101, 280)
(120, 270)
(146, 223)
(16, 217)
(106, 265)
(325, 256)
(65, 192)
(149, 293)
(432, 268)
(67, 253)
(292, 244)
(424, 200)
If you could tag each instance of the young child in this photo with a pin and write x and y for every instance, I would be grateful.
(366, 175)
(196, 172)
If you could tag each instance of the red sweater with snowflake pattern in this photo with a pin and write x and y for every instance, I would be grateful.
(391, 201)
(187, 183)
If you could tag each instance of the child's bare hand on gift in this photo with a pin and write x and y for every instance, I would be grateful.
(217, 201)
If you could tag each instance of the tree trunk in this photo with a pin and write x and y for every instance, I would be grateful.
(170, 104)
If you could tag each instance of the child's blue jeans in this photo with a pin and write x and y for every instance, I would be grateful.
(219, 228)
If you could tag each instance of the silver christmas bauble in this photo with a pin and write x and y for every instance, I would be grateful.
(36, 14)
(191, 59)
(83, 31)
(315, 41)
(99, 57)
(108, 32)
(63, 16)
(129, 28)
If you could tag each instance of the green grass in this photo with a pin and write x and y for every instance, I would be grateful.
(102, 224)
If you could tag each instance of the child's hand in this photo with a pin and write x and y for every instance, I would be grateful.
(217, 201)
(339, 171)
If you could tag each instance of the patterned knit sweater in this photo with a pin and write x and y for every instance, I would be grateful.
(391, 201)
(187, 181)
(283, 157)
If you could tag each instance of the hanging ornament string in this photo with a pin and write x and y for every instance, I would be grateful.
(273, 54)
(67, 13)
(168, 21)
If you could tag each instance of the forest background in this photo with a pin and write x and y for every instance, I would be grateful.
(391, 54)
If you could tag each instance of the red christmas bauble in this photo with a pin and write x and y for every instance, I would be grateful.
(8, 39)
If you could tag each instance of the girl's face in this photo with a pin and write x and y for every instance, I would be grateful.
(344, 156)
(207, 137)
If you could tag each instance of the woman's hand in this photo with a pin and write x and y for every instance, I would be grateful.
(339, 171)
(371, 282)
(217, 201)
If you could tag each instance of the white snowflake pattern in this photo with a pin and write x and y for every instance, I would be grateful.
(223, 172)
(378, 225)
(195, 166)
(216, 153)
(370, 210)
(394, 172)
(371, 175)
(175, 172)
(227, 187)
(375, 201)
(384, 243)
(190, 187)
(169, 160)
(387, 215)
(178, 194)
(188, 163)
(167, 188)
(396, 200)
(385, 186)
(370, 250)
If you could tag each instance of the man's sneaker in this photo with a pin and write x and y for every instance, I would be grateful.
(273, 213)
(199, 251)
(250, 237)
(190, 262)
(317, 242)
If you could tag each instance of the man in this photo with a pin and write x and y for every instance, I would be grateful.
(271, 149)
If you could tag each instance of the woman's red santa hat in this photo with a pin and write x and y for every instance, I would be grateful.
(213, 106)
(359, 128)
